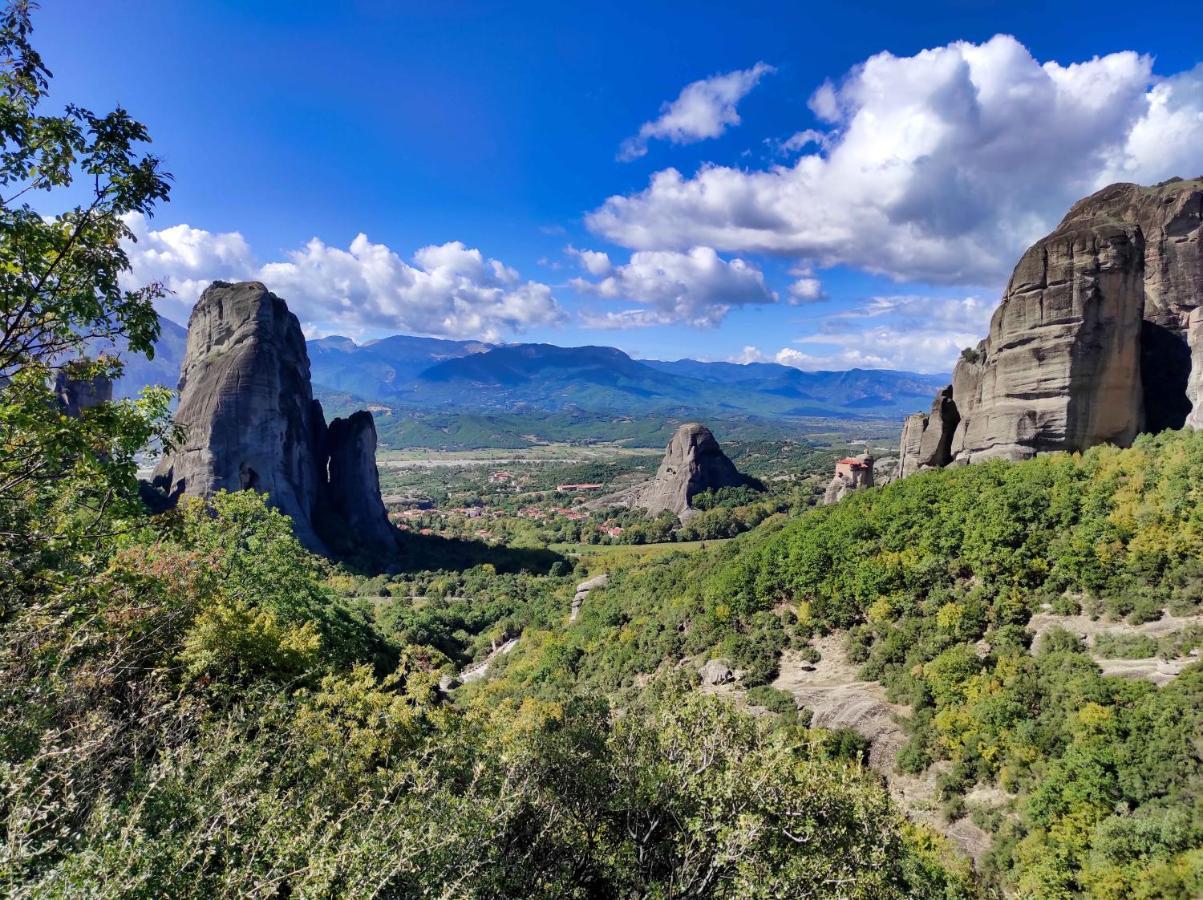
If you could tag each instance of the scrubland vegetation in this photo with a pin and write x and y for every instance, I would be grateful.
(192, 705)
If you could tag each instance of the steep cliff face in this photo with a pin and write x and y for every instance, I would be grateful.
(352, 493)
(246, 406)
(1194, 387)
(249, 420)
(1169, 216)
(1060, 369)
(1090, 343)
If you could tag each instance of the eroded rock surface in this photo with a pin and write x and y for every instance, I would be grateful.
(583, 590)
(246, 406)
(693, 462)
(838, 698)
(249, 421)
(351, 494)
(1060, 369)
(913, 428)
(1194, 385)
(1092, 342)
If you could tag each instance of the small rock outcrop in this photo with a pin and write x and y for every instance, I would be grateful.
(715, 672)
(583, 590)
(1092, 342)
(249, 421)
(76, 394)
(693, 462)
(851, 474)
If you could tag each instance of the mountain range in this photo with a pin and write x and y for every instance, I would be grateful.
(409, 373)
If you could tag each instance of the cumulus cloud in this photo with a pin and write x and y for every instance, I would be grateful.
(697, 287)
(595, 262)
(938, 167)
(449, 290)
(806, 288)
(704, 109)
(184, 259)
(917, 333)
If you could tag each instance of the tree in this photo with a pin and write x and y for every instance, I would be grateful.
(59, 281)
(60, 295)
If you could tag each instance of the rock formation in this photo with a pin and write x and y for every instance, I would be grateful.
(913, 427)
(927, 437)
(352, 490)
(851, 474)
(77, 394)
(1092, 340)
(693, 462)
(249, 421)
(1194, 384)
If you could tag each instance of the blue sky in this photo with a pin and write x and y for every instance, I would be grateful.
(828, 185)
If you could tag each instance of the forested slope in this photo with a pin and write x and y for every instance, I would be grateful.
(930, 582)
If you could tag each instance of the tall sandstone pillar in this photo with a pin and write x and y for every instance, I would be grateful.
(1095, 339)
(249, 422)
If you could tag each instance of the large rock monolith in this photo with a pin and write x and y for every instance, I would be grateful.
(249, 422)
(1092, 342)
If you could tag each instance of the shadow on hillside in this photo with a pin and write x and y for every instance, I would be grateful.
(421, 552)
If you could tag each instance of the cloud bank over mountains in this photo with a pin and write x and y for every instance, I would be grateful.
(449, 290)
(933, 170)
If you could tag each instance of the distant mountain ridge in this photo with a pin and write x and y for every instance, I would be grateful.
(418, 373)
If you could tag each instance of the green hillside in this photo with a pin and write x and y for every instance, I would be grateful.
(928, 584)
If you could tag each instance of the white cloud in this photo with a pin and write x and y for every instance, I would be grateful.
(937, 167)
(185, 260)
(697, 287)
(595, 262)
(800, 140)
(704, 109)
(916, 333)
(807, 288)
(450, 290)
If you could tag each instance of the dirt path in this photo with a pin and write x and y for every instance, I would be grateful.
(1152, 668)
(479, 670)
(831, 689)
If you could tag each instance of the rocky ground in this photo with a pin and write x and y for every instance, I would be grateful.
(1155, 669)
(837, 698)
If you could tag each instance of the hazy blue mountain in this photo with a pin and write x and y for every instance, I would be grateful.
(416, 373)
(854, 387)
(603, 379)
(164, 369)
(381, 369)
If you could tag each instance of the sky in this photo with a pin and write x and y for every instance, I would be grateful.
(828, 185)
